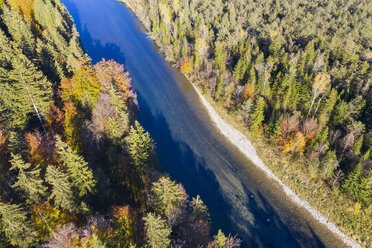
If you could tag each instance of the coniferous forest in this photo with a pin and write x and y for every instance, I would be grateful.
(297, 75)
(76, 168)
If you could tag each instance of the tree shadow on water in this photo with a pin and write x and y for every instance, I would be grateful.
(258, 225)
(183, 165)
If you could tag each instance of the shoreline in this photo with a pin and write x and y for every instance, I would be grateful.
(240, 141)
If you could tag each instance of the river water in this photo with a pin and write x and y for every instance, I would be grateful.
(241, 199)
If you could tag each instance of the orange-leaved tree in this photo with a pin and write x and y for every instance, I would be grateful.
(47, 219)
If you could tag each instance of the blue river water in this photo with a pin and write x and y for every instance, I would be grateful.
(190, 149)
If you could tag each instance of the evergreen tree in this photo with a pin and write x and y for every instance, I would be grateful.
(220, 239)
(28, 180)
(220, 57)
(141, 149)
(14, 223)
(257, 116)
(77, 169)
(351, 184)
(157, 231)
(330, 164)
(62, 193)
(47, 62)
(24, 89)
(365, 187)
(198, 209)
(166, 196)
(20, 30)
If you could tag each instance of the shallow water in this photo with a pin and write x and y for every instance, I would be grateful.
(241, 199)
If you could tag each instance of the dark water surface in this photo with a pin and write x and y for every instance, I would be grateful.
(190, 149)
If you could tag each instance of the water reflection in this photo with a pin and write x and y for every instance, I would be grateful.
(241, 200)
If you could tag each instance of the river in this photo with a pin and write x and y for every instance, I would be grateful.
(241, 199)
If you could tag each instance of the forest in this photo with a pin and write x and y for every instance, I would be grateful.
(296, 74)
(76, 168)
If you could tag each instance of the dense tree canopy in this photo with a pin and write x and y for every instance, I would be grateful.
(76, 168)
(296, 73)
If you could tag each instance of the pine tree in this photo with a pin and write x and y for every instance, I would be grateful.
(141, 149)
(257, 116)
(24, 90)
(198, 209)
(166, 196)
(351, 184)
(220, 57)
(220, 239)
(330, 164)
(57, 31)
(365, 188)
(157, 231)
(239, 70)
(14, 223)
(77, 169)
(28, 180)
(47, 62)
(20, 30)
(62, 193)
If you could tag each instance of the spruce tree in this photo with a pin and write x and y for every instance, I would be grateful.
(20, 30)
(14, 223)
(220, 239)
(77, 169)
(24, 90)
(157, 231)
(365, 188)
(330, 164)
(62, 193)
(28, 180)
(257, 116)
(141, 149)
(220, 57)
(351, 184)
(198, 209)
(166, 196)
(47, 62)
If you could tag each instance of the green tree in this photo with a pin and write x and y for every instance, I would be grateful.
(198, 209)
(141, 149)
(330, 164)
(257, 116)
(62, 193)
(20, 30)
(15, 226)
(320, 86)
(28, 180)
(166, 196)
(220, 57)
(220, 239)
(157, 231)
(24, 89)
(351, 183)
(77, 169)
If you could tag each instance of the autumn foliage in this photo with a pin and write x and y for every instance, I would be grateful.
(185, 65)
(293, 137)
(47, 219)
(249, 92)
(124, 227)
(25, 7)
(41, 148)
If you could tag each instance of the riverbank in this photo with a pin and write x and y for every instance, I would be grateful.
(246, 147)
(317, 195)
